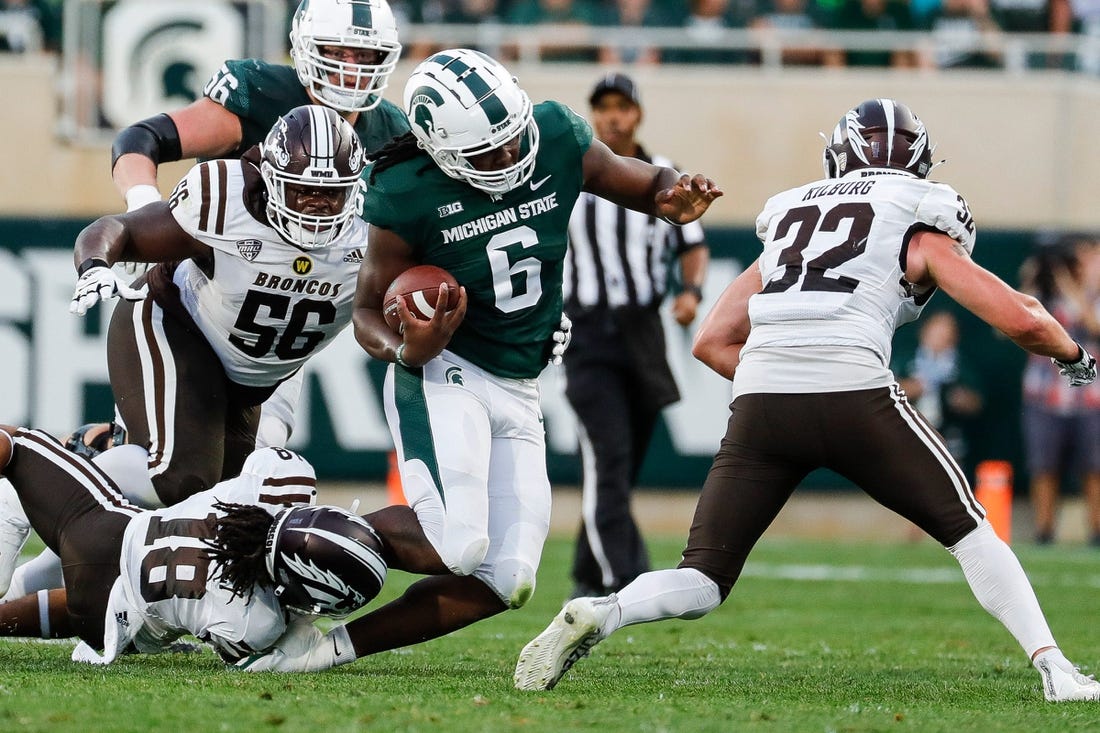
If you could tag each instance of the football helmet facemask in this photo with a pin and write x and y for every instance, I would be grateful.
(325, 561)
(461, 104)
(314, 148)
(879, 133)
(92, 439)
(352, 25)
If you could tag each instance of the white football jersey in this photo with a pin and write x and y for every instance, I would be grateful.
(265, 306)
(834, 284)
(174, 587)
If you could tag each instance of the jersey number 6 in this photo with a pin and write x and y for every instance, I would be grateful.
(519, 285)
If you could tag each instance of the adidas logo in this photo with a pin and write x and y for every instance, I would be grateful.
(355, 256)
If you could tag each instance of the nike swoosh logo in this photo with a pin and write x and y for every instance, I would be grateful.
(535, 185)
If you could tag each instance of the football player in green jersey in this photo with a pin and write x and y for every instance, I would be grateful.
(343, 52)
(483, 186)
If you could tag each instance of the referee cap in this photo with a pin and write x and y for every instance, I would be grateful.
(615, 82)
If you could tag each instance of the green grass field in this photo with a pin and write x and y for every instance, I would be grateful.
(818, 636)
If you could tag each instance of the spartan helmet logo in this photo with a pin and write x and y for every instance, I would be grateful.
(420, 108)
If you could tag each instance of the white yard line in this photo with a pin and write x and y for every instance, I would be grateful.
(918, 576)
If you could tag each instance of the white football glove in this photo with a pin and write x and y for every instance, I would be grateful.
(100, 283)
(1080, 372)
(135, 268)
(561, 337)
(303, 648)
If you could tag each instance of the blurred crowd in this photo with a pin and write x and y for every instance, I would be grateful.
(1059, 427)
(1061, 430)
(960, 33)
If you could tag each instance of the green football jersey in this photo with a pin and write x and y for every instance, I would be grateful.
(259, 92)
(508, 253)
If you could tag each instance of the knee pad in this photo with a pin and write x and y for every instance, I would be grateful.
(463, 555)
(513, 580)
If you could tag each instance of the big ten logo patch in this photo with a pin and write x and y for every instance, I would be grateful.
(302, 265)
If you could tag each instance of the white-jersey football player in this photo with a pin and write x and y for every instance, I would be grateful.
(805, 333)
(259, 259)
(258, 262)
(233, 565)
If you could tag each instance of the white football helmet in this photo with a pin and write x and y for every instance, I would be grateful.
(461, 103)
(351, 24)
(312, 146)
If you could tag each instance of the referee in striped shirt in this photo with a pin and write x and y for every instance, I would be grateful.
(617, 376)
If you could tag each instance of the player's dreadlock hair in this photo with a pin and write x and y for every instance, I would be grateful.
(399, 149)
(238, 547)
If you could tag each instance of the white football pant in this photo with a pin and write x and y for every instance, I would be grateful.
(472, 455)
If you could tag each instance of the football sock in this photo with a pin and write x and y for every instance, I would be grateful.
(674, 593)
(1055, 658)
(1001, 587)
(39, 573)
(128, 467)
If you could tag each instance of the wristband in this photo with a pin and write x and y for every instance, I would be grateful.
(695, 290)
(89, 264)
(399, 355)
(140, 195)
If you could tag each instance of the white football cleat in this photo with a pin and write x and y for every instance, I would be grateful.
(577, 628)
(14, 531)
(1062, 682)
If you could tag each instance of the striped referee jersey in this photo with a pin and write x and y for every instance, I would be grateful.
(620, 257)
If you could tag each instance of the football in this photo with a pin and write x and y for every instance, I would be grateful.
(421, 284)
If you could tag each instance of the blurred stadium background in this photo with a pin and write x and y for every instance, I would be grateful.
(1009, 92)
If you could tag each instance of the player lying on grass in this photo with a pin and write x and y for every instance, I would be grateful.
(236, 565)
(805, 333)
